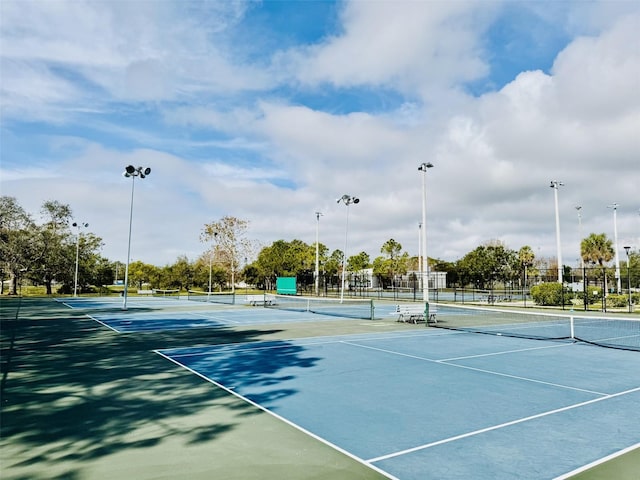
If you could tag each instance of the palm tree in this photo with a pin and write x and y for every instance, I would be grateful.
(597, 248)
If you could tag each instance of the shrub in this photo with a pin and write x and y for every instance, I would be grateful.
(616, 301)
(594, 295)
(549, 294)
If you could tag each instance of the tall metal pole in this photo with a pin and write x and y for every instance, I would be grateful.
(317, 271)
(344, 255)
(133, 172)
(582, 269)
(420, 253)
(126, 270)
(210, 270)
(555, 186)
(579, 208)
(425, 262)
(347, 200)
(75, 278)
(628, 275)
(615, 206)
(215, 234)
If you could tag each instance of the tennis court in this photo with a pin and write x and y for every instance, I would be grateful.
(400, 400)
(441, 405)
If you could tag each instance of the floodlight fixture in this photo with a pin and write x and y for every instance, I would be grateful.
(348, 200)
(424, 166)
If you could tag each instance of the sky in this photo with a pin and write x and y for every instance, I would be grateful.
(269, 111)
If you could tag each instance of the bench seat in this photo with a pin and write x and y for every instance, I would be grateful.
(260, 299)
(414, 313)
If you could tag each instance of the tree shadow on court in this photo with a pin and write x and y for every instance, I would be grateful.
(74, 391)
(259, 373)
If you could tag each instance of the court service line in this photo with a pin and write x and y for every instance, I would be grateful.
(466, 357)
(490, 372)
(212, 317)
(517, 377)
(497, 427)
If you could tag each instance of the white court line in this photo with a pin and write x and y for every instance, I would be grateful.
(490, 372)
(497, 427)
(503, 352)
(104, 324)
(212, 317)
(597, 462)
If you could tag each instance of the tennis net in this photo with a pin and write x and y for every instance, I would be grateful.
(213, 297)
(350, 308)
(158, 292)
(614, 332)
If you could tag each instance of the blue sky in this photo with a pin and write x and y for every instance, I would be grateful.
(269, 111)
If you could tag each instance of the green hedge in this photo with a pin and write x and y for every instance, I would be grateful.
(550, 294)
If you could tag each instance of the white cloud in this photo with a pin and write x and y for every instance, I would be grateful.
(599, 77)
(413, 46)
(82, 52)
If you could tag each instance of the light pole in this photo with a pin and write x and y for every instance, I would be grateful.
(215, 234)
(317, 271)
(347, 200)
(628, 275)
(579, 210)
(555, 186)
(75, 279)
(582, 268)
(615, 206)
(133, 172)
(419, 255)
(425, 261)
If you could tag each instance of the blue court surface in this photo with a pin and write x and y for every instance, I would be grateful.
(432, 404)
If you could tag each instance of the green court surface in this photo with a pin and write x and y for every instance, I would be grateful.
(81, 401)
(621, 467)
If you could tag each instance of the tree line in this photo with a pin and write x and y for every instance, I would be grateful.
(45, 253)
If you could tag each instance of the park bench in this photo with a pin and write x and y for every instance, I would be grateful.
(260, 299)
(414, 313)
(145, 292)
